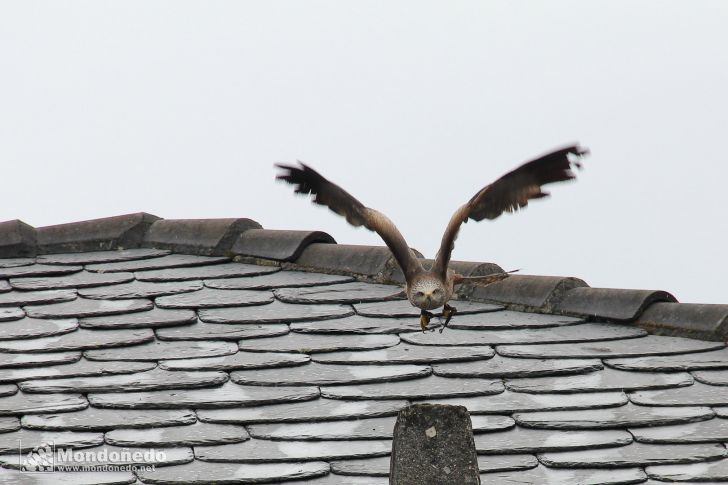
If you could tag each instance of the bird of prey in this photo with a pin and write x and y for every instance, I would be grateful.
(428, 289)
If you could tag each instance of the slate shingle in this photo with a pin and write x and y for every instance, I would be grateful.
(525, 440)
(275, 312)
(27, 439)
(169, 261)
(696, 395)
(359, 324)
(153, 318)
(102, 419)
(604, 380)
(164, 349)
(712, 430)
(92, 257)
(11, 361)
(404, 309)
(140, 289)
(314, 343)
(22, 298)
(240, 360)
(715, 359)
(82, 307)
(500, 366)
(226, 270)
(584, 476)
(221, 331)
(315, 374)
(698, 472)
(197, 434)
(212, 298)
(37, 270)
(361, 429)
(10, 477)
(406, 353)
(354, 292)
(24, 403)
(80, 368)
(78, 340)
(82, 279)
(424, 388)
(512, 402)
(281, 279)
(202, 473)
(10, 314)
(28, 328)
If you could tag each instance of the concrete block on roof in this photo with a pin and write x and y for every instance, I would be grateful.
(695, 320)
(206, 237)
(610, 303)
(126, 231)
(280, 245)
(17, 239)
(433, 443)
(528, 292)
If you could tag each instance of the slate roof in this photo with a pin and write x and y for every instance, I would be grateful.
(248, 355)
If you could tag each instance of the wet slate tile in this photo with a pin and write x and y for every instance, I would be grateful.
(74, 369)
(101, 419)
(696, 472)
(140, 289)
(362, 429)
(211, 298)
(313, 343)
(253, 450)
(82, 307)
(424, 388)
(166, 349)
(169, 261)
(354, 292)
(8, 389)
(156, 317)
(622, 417)
(403, 308)
(406, 353)
(92, 257)
(696, 395)
(572, 333)
(241, 360)
(715, 359)
(275, 312)
(227, 395)
(82, 279)
(505, 463)
(328, 374)
(712, 430)
(361, 325)
(12, 477)
(12, 361)
(510, 319)
(15, 262)
(77, 340)
(37, 270)
(26, 439)
(155, 379)
(500, 366)
(316, 410)
(332, 479)
(604, 380)
(9, 423)
(197, 434)
(485, 423)
(584, 476)
(202, 473)
(635, 454)
(632, 347)
(221, 331)
(10, 314)
(510, 402)
(5, 286)
(713, 377)
(227, 270)
(28, 328)
(371, 467)
(22, 298)
(525, 440)
(280, 279)
(721, 411)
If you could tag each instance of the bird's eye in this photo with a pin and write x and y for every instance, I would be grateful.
(420, 294)
(437, 290)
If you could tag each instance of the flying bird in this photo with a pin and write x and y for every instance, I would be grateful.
(428, 289)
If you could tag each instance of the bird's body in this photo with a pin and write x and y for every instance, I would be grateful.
(428, 289)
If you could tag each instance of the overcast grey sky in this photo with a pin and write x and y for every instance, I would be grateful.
(180, 109)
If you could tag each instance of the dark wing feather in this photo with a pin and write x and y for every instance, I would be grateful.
(308, 181)
(508, 194)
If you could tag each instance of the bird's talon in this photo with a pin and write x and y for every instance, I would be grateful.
(447, 312)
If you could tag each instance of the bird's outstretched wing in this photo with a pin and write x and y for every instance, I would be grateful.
(309, 181)
(508, 194)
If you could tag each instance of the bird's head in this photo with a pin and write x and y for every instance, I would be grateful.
(427, 294)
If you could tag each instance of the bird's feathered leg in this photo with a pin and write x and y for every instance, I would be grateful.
(425, 317)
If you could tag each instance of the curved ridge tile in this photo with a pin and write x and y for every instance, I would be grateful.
(328, 374)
